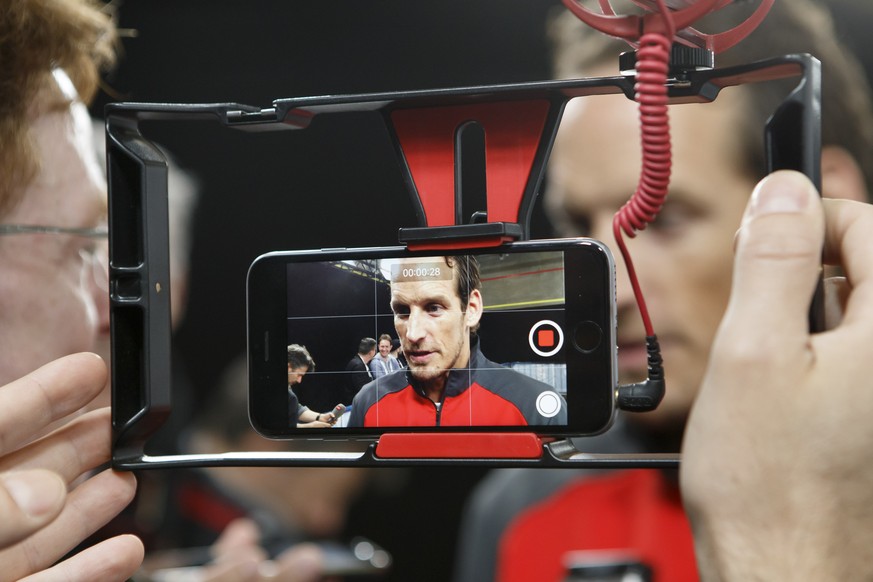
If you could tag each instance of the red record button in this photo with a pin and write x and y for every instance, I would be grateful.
(546, 338)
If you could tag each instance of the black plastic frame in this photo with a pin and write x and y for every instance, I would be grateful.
(139, 240)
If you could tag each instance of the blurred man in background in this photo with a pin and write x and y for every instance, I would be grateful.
(683, 261)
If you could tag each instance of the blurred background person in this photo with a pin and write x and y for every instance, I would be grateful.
(684, 262)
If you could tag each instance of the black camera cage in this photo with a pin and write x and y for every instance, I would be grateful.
(140, 264)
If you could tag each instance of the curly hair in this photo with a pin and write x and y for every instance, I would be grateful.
(37, 36)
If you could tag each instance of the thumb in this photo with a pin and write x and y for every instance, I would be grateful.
(778, 258)
(29, 500)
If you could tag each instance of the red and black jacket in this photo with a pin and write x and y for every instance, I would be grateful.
(485, 394)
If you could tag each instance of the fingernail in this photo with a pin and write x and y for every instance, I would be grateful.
(35, 493)
(781, 193)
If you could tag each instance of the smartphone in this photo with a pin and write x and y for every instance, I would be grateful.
(528, 345)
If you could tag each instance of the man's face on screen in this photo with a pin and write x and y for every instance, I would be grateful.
(384, 348)
(433, 326)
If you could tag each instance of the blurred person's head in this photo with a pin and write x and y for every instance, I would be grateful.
(437, 306)
(300, 362)
(53, 285)
(684, 259)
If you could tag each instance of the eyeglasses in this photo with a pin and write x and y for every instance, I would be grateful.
(95, 256)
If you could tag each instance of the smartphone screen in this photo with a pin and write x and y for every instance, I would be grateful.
(519, 337)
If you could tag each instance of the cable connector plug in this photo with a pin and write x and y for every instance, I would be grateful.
(645, 396)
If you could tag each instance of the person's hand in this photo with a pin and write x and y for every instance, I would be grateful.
(776, 473)
(301, 563)
(43, 516)
(238, 557)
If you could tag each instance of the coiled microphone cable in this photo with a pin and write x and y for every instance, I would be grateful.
(652, 68)
(654, 34)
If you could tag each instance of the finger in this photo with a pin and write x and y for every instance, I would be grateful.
(240, 536)
(238, 569)
(72, 450)
(777, 260)
(301, 563)
(849, 225)
(113, 559)
(90, 506)
(30, 404)
(28, 501)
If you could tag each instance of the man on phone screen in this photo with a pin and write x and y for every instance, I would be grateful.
(437, 305)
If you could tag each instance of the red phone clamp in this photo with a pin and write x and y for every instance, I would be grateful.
(473, 168)
(460, 445)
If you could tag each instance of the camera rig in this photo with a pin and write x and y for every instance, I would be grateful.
(520, 121)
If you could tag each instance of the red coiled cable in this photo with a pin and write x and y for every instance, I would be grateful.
(658, 31)
(653, 63)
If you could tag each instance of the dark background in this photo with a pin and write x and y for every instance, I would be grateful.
(334, 184)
